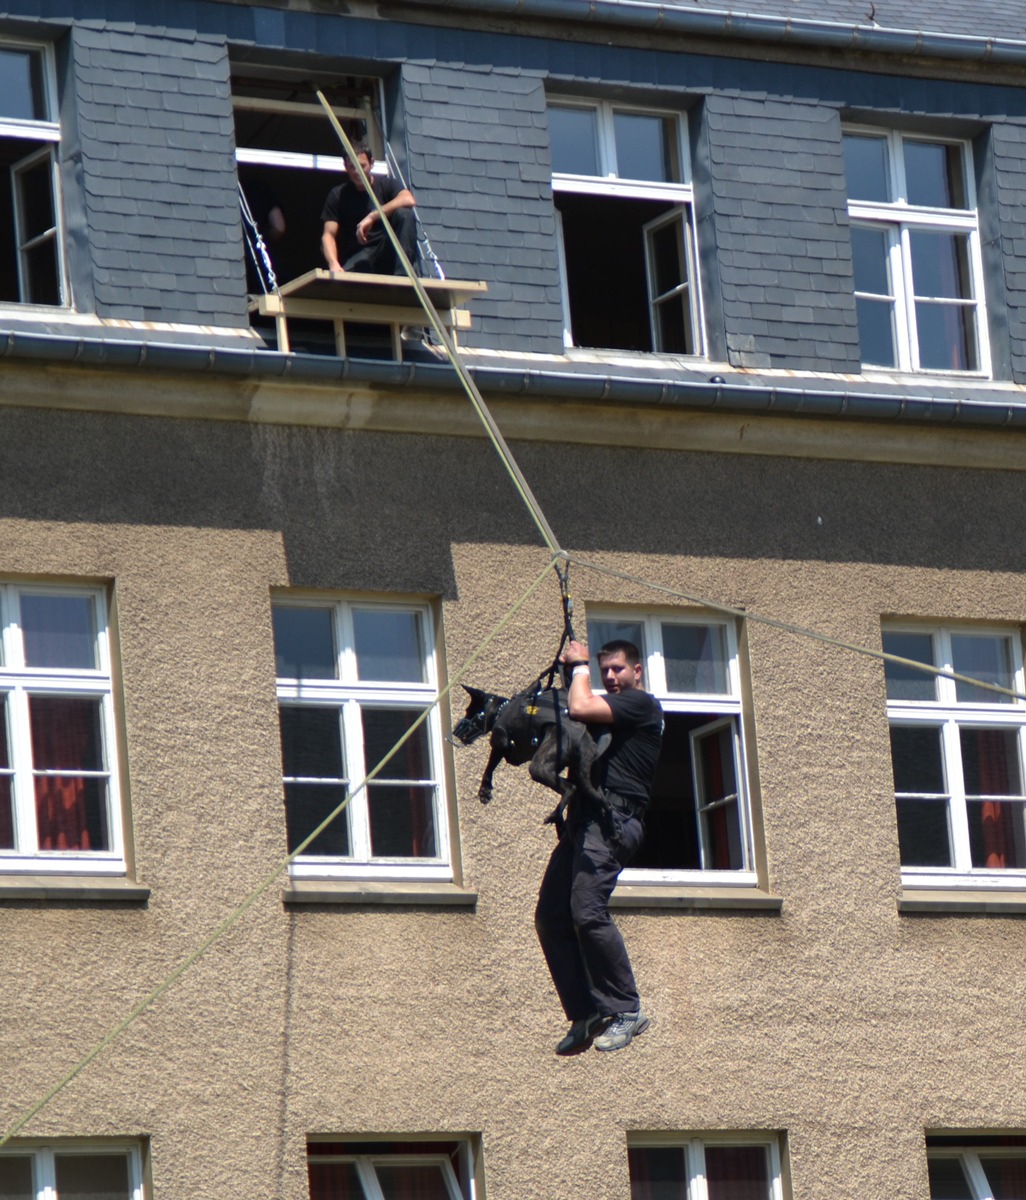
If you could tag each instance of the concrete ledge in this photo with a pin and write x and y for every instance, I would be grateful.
(73, 889)
(395, 892)
(750, 899)
(929, 900)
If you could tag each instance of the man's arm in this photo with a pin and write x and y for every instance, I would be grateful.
(582, 703)
(402, 199)
(329, 245)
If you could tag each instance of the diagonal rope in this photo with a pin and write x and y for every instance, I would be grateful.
(241, 909)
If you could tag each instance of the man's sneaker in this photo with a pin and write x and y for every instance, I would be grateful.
(622, 1029)
(580, 1033)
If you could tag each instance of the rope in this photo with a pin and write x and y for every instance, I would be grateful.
(423, 240)
(259, 253)
(241, 909)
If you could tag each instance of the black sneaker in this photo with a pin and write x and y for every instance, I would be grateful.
(580, 1033)
(623, 1028)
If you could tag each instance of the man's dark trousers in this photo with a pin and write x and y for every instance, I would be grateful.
(380, 258)
(583, 947)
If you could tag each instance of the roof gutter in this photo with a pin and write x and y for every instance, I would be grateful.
(706, 395)
(727, 23)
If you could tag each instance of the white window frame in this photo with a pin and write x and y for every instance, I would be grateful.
(47, 131)
(44, 1168)
(18, 682)
(898, 219)
(694, 1147)
(970, 1159)
(609, 183)
(366, 1163)
(949, 715)
(347, 694)
(727, 707)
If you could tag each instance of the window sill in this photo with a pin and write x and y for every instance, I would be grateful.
(409, 893)
(73, 888)
(690, 897)
(962, 900)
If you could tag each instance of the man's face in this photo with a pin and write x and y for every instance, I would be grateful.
(617, 673)
(354, 174)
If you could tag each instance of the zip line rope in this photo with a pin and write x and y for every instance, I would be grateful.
(241, 909)
(557, 555)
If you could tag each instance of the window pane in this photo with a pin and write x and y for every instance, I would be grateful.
(1006, 1176)
(15, 1169)
(924, 833)
(719, 801)
(382, 728)
(422, 1182)
(869, 258)
(334, 1181)
(389, 646)
(934, 175)
(311, 743)
(906, 683)
(43, 284)
(990, 762)
(737, 1172)
(696, 658)
(984, 657)
(92, 1176)
(66, 733)
(35, 187)
(306, 806)
(21, 85)
(946, 337)
(304, 643)
(657, 1173)
(865, 165)
(402, 821)
(59, 631)
(645, 147)
(876, 332)
(996, 834)
(947, 1180)
(573, 133)
(917, 761)
(601, 632)
(666, 256)
(671, 824)
(940, 264)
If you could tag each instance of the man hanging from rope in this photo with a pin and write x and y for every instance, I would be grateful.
(353, 239)
(583, 947)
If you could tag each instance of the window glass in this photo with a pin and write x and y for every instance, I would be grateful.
(865, 165)
(334, 1181)
(657, 1172)
(304, 643)
(573, 134)
(905, 682)
(947, 337)
(601, 632)
(985, 657)
(917, 759)
(412, 1182)
(644, 147)
(1006, 1175)
(58, 631)
(22, 95)
(696, 658)
(940, 263)
(92, 1176)
(389, 645)
(990, 762)
(401, 816)
(71, 809)
(315, 782)
(6, 794)
(934, 174)
(869, 251)
(924, 831)
(737, 1172)
(947, 1180)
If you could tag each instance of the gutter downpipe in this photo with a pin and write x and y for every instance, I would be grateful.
(512, 381)
(650, 16)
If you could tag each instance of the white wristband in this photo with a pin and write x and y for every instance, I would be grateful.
(580, 667)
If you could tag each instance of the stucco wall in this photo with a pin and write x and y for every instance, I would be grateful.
(847, 1026)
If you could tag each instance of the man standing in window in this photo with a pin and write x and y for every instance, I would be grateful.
(583, 947)
(353, 239)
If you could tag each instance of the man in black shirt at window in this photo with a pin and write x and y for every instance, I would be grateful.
(583, 947)
(353, 239)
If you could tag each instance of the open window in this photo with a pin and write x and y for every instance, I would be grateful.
(623, 199)
(31, 238)
(698, 825)
(391, 1170)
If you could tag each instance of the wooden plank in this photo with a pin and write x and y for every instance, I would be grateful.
(356, 287)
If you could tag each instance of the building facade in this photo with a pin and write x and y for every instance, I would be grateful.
(754, 330)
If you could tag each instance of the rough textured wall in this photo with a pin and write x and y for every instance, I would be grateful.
(845, 1025)
(153, 125)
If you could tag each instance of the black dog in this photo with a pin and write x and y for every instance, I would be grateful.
(535, 727)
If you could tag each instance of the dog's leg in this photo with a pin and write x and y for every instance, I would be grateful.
(485, 791)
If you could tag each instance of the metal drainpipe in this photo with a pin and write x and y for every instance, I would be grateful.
(644, 14)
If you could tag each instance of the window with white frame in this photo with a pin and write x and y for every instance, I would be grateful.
(623, 197)
(354, 677)
(915, 243)
(289, 157)
(710, 1167)
(71, 1171)
(59, 804)
(427, 1170)
(978, 1168)
(31, 254)
(957, 756)
(698, 824)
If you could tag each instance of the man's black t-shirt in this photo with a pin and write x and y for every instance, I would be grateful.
(628, 766)
(348, 205)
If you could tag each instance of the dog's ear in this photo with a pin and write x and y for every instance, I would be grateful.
(474, 693)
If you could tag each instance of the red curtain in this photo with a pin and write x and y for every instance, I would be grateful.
(996, 817)
(66, 736)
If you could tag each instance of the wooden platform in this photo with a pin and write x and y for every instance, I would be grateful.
(341, 296)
